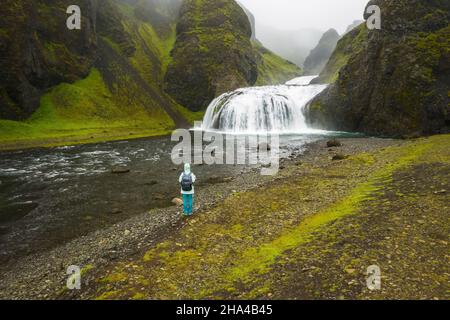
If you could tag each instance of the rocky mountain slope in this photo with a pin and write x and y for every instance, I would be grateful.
(354, 25)
(109, 78)
(100, 82)
(319, 56)
(394, 81)
(213, 53)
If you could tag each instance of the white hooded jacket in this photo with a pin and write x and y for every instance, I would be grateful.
(187, 170)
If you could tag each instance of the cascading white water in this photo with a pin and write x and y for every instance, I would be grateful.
(269, 109)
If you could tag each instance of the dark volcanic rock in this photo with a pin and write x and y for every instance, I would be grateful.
(120, 170)
(213, 53)
(334, 143)
(37, 51)
(395, 80)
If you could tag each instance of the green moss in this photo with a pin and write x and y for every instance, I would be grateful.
(236, 243)
(349, 45)
(84, 109)
(273, 69)
(115, 277)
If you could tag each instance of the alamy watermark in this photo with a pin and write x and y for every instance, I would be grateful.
(74, 279)
(73, 22)
(374, 20)
(373, 278)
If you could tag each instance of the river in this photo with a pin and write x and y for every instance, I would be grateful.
(50, 196)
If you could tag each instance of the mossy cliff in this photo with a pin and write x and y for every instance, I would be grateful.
(392, 81)
(125, 48)
(213, 53)
(122, 48)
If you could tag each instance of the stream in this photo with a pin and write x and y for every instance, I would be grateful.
(50, 196)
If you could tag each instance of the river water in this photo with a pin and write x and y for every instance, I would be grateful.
(50, 196)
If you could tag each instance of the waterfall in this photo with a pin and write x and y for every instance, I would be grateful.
(268, 109)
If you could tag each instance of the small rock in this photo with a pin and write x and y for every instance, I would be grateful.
(116, 211)
(334, 143)
(120, 169)
(350, 271)
(151, 183)
(339, 157)
(177, 201)
(436, 192)
(127, 232)
(264, 147)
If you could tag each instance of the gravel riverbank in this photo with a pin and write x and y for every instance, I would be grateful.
(43, 276)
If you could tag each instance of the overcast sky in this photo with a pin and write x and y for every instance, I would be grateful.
(298, 14)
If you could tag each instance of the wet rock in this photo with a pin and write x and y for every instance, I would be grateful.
(177, 201)
(264, 147)
(120, 170)
(339, 157)
(412, 136)
(334, 143)
(116, 211)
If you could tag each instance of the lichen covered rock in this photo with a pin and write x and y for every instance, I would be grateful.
(392, 81)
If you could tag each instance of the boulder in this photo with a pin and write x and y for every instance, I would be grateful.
(339, 157)
(120, 170)
(334, 143)
(177, 201)
(116, 211)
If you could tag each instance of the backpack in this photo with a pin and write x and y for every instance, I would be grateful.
(186, 182)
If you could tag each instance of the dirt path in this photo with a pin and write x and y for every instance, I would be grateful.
(308, 233)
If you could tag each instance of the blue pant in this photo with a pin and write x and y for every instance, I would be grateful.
(188, 203)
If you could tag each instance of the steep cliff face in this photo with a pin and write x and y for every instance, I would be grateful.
(214, 54)
(103, 80)
(395, 81)
(112, 72)
(125, 44)
(251, 18)
(319, 56)
(37, 51)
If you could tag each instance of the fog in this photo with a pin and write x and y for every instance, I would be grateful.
(306, 14)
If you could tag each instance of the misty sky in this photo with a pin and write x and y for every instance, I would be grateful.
(298, 14)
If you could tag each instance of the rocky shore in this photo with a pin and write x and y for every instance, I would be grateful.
(121, 262)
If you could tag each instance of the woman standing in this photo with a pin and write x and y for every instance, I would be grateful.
(187, 180)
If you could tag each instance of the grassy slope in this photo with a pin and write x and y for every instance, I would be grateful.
(348, 45)
(84, 111)
(277, 242)
(87, 110)
(273, 69)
